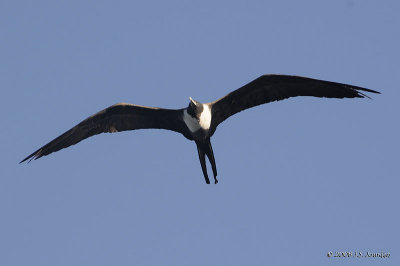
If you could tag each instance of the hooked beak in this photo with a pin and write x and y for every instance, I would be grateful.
(196, 103)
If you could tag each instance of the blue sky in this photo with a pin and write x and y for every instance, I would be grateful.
(298, 178)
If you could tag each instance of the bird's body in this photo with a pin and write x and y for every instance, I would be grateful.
(199, 121)
(197, 118)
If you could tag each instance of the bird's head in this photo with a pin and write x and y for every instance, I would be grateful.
(194, 107)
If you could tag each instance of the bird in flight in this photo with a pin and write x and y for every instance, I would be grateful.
(199, 121)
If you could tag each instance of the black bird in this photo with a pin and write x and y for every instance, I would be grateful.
(199, 121)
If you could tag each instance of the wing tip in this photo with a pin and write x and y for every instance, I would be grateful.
(34, 156)
(363, 95)
(367, 90)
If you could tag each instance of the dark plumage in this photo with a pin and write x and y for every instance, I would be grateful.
(198, 121)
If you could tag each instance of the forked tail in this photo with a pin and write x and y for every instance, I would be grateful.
(204, 148)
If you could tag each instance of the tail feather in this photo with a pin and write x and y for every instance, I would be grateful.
(205, 148)
(202, 158)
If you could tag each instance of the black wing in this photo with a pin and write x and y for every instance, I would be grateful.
(119, 117)
(269, 88)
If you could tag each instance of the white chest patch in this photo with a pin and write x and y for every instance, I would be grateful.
(190, 122)
(205, 117)
(193, 124)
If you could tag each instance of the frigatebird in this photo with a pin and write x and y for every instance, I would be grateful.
(199, 121)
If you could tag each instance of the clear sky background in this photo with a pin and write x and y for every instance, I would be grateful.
(298, 178)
